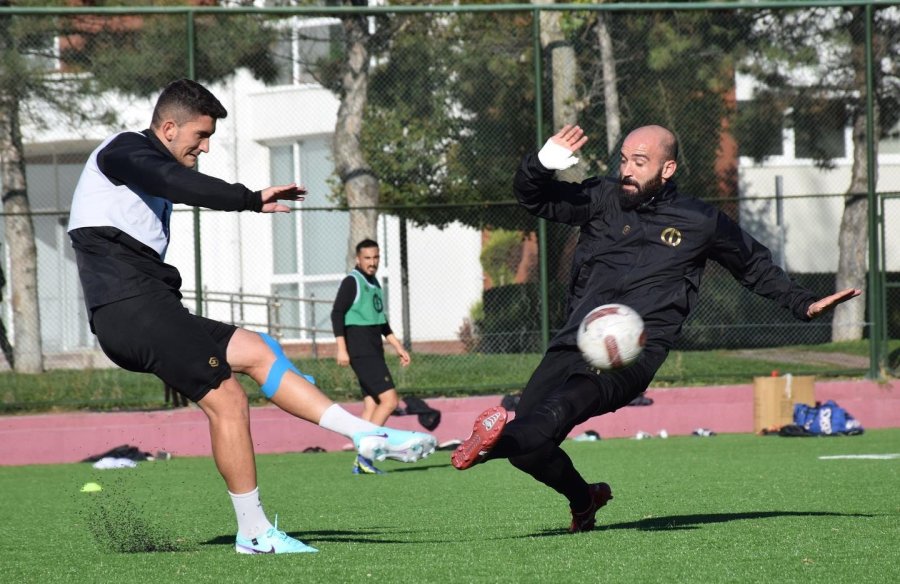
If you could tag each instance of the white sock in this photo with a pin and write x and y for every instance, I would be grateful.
(339, 420)
(251, 518)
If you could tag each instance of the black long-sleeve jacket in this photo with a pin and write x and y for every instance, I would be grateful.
(143, 163)
(114, 265)
(652, 258)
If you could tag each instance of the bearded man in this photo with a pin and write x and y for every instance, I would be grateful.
(644, 244)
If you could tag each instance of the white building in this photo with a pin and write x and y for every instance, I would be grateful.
(272, 135)
(810, 223)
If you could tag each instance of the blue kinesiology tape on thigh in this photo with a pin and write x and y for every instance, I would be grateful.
(281, 365)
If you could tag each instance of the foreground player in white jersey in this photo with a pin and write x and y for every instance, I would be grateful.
(119, 226)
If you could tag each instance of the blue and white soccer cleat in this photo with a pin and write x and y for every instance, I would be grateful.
(364, 465)
(402, 445)
(271, 542)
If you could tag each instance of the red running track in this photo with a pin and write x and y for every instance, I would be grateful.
(57, 438)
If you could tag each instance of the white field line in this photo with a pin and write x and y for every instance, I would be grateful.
(860, 457)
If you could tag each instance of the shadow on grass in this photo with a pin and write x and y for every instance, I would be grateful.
(695, 521)
(418, 467)
(668, 522)
(322, 536)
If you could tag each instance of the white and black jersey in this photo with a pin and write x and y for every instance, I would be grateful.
(119, 221)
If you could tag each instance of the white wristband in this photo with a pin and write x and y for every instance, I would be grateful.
(556, 157)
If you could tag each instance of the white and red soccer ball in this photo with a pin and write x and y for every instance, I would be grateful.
(611, 336)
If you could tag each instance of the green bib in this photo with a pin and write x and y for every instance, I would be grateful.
(368, 307)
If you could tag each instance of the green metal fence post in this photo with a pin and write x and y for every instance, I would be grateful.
(877, 315)
(539, 137)
(198, 259)
(404, 284)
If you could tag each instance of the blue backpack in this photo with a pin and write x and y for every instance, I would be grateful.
(828, 419)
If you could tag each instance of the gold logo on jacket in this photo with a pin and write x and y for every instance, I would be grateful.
(213, 362)
(671, 236)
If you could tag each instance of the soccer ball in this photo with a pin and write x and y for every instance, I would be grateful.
(611, 336)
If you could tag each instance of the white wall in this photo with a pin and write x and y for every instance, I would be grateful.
(811, 224)
(445, 279)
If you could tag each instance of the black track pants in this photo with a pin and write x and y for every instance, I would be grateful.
(563, 392)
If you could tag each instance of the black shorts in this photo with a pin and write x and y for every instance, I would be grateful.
(155, 333)
(619, 385)
(372, 372)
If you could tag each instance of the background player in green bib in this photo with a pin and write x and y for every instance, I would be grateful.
(359, 322)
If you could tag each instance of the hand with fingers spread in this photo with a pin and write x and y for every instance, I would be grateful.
(557, 152)
(272, 195)
(829, 302)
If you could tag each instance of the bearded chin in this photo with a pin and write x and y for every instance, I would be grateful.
(633, 201)
(643, 194)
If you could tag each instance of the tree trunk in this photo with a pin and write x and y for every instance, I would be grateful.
(853, 239)
(610, 85)
(27, 351)
(359, 182)
(5, 345)
(567, 105)
(564, 75)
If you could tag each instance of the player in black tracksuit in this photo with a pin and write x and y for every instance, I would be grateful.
(642, 244)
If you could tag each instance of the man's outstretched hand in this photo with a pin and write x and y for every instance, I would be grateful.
(557, 152)
(825, 304)
(570, 137)
(272, 195)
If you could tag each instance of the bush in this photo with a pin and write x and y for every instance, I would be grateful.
(893, 306)
(728, 316)
(511, 322)
(500, 256)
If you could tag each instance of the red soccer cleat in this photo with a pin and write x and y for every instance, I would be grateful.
(600, 493)
(485, 434)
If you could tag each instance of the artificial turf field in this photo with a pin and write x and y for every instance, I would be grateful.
(729, 508)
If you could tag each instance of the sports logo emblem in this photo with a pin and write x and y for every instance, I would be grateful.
(213, 362)
(489, 422)
(671, 236)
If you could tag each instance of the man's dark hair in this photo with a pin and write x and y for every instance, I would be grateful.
(184, 100)
(365, 244)
(670, 148)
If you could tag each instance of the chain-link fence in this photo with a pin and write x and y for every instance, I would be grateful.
(432, 109)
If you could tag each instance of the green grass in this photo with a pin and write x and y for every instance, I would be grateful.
(731, 508)
(428, 376)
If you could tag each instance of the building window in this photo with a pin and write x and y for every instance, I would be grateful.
(285, 316)
(309, 246)
(304, 42)
(284, 226)
(819, 126)
(890, 141)
(804, 128)
(759, 128)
